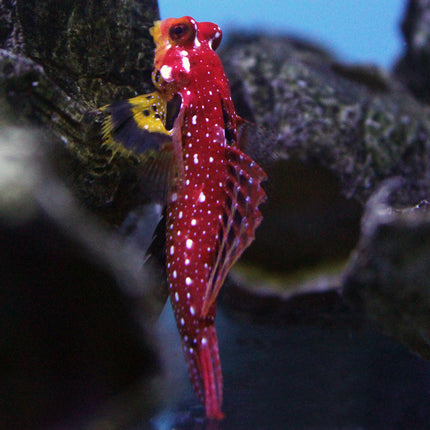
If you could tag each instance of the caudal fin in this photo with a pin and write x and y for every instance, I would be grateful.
(204, 367)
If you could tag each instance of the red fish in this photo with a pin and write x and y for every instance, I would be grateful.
(212, 189)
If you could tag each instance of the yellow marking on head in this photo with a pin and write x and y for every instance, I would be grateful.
(155, 32)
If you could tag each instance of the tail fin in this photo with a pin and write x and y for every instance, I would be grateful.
(204, 367)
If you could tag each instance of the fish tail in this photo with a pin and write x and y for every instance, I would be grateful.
(204, 367)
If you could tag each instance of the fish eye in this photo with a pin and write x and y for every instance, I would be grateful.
(179, 31)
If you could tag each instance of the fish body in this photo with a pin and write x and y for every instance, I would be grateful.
(212, 191)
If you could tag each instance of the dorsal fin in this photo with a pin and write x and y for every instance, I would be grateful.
(243, 195)
(137, 127)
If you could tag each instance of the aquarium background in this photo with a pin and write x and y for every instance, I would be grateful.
(355, 31)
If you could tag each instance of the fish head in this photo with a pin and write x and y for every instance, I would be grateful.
(182, 45)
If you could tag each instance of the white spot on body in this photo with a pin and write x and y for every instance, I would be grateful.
(187, 261)
(166, 72)
(211, 159)
(204, 341)
(180, 215)
(182, 321)
(194, 120)
(192, 310)
(188, 243)
(202, 197)
(193, 222)
(174, 197)
(186, 64)
(188, 281)
(177, 296)
(175, 275)
(172, 250)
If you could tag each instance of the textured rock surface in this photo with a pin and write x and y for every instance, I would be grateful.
(73, 350)
(341, 131)
(355, 121)
(59, 63)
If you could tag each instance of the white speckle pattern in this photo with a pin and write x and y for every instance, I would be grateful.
(204, 195)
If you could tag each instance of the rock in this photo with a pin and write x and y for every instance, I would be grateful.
(69, 294)
(388, 274)
(413, 67)
(340, 131)
(76, 306)
(355, 121)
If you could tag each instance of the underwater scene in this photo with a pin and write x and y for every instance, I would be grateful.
(214, 218)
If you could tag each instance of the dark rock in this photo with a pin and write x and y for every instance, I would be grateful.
(76, 304)
(414, 66)
(60, 63)
(71, 342)
(388, 274)
(341, 131)
(94, 51)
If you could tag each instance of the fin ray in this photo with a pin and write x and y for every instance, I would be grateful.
(243, 195)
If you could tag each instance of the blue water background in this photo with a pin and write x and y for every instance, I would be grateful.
(364, 31)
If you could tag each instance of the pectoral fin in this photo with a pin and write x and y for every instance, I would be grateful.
(137, 127)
